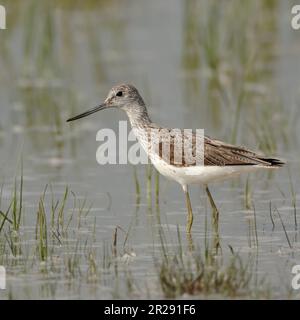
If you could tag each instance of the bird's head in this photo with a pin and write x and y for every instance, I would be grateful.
(124, 96)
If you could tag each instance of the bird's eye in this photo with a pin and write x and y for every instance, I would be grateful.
(119, 94)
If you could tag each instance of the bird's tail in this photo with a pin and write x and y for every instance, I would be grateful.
(273, 162)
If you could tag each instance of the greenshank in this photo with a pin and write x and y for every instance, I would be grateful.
(219, 160)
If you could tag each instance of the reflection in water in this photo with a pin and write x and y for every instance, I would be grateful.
(190, 241)
(215, 221)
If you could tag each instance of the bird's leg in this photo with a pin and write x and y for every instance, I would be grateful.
(214, 207)
(215, 218)
(190, 211)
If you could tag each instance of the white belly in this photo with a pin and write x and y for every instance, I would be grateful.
(200, 174)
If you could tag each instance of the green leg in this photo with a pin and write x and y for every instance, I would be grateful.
(214, 207)
(215, 220)
(190, 211)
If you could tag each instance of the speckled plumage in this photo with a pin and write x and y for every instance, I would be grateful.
(216, 152)
(216, 161)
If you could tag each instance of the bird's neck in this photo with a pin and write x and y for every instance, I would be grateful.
(138, 116)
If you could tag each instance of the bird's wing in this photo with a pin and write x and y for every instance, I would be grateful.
(218, 153)
(185, 148)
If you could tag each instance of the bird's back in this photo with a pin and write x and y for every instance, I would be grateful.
(186, 148)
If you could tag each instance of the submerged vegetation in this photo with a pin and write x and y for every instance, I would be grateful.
(59, 258)
(67, 256)
(210, 275)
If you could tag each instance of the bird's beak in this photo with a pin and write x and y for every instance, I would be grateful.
(87, 113)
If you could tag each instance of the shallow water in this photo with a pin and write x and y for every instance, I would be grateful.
(195, 68)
